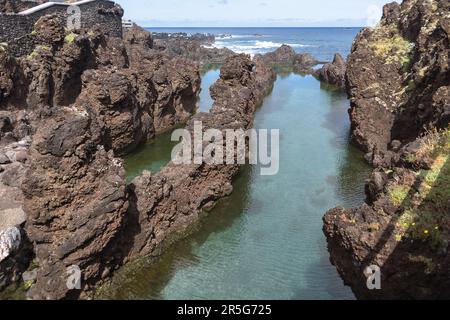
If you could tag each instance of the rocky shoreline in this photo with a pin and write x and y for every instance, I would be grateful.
(285, 58)
(81, 100)
(333, 73)
(196, 47)
(69, 109)
(399, 87)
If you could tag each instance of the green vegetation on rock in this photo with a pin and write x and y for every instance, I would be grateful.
(36, 51)
(425, 215)
(70, 38)
(395, 49)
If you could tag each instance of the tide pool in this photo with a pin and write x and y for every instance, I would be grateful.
(265, 241)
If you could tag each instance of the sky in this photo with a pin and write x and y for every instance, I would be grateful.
(253, 13)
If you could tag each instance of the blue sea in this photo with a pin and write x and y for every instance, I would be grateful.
(322, 43)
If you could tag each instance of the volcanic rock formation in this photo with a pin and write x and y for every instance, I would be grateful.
(81, 211)
(333, 73)
(77, 101)
(286, 57)
(68, 110)
(399, 85)
(170, 201)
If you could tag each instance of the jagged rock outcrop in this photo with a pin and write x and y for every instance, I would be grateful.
(15, 249)
(168, 203)
(67, 110)
(403, 228)
(112, 98)
(333, 73)
(138, 36)
(82, 213)
(286, 57)
(196, 49)
(398, 77)
(76, 199)
(399, 83)
(73, 105)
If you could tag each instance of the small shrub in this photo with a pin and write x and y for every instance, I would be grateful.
(70, 38)
(398, 194)
(395, 49)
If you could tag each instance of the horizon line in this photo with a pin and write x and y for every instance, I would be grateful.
(204, 27)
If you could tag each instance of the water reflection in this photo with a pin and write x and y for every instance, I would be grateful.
(148, 279)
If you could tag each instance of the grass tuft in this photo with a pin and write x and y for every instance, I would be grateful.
(70, 38)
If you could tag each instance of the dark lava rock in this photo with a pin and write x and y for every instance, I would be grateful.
(137, 35)
(76, 199)
(398, 75)
(4, 159)
(195, 48)
(170, 202)
(333, 73)
(80, 210)
(286, 57)
(398, 81)
(14, 6)
(82, 101)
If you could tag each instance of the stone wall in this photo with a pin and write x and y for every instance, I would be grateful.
(16, 29)
(14, 6)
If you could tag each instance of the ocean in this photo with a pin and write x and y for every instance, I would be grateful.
(322, 43)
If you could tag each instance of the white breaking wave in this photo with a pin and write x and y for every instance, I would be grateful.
(234, 36)
(254, 47)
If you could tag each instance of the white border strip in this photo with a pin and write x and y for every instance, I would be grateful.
(51, 4)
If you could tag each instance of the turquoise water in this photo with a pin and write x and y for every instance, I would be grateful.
(208, 79)
(266, 240)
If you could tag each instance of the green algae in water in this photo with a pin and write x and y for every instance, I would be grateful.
(151, 156)
(266, 240)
